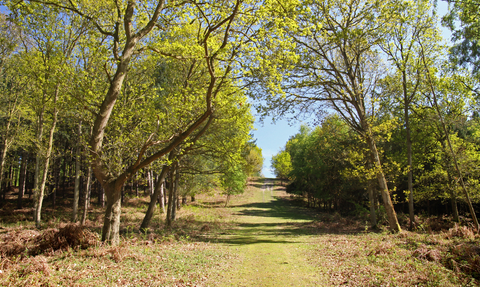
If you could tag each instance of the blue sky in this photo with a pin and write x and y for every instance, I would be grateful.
(272, 137)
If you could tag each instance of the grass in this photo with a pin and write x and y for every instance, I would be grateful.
(263, 238)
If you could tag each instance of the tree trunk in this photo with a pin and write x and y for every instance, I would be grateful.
(56, 175)
(111, 223)
(101, 195)
(88, 189)
(371, 197)
(64, 179)
(153, 200)
(150, 182)
(168, 220)
(409, 156)
(38, 163)
(3, 156)
(161, 197)
(76, 189)
(175, 194)
(390, 210)
(22, 180)
(136, 184)
(228, 199)
(40, 190)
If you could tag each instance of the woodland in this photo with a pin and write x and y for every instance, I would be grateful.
(399, 123)
(103, 102)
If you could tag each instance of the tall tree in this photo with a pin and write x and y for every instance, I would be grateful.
(466, 50)
(411, 23)
(134, 32)
(50, 39)
(330, 58)
(12, 90)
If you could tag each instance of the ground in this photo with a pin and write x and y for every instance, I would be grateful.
(263, 238)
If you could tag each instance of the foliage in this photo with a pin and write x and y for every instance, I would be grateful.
(234, 180)
(466, 50)
(253, 158)
(282, 164)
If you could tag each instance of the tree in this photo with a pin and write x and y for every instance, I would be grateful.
(12, 89)
(410, 24)
(219, 140)
(466, 51)
(282, 165)
(254, 159)
(202, 33)
(233, 181)
(45, 59)
(330, 59)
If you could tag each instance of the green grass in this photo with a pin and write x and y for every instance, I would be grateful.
(263, 238)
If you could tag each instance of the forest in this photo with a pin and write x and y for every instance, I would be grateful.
(109, 103)
(103, 98)
(399, 123)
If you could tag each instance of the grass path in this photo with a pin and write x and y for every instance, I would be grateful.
(262, 239)
(269, 242)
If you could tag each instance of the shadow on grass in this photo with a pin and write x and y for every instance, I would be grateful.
(280, 207)
(260, 182)
(245, 240)
(209, 204)
(280, 220)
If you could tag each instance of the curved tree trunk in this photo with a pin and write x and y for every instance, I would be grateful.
(40, 190)
(153, 199)
(387, 202)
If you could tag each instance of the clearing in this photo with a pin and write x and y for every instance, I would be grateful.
(264, 238)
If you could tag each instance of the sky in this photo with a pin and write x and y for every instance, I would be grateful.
(272, 137)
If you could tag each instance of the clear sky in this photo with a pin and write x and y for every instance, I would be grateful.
(272, 137)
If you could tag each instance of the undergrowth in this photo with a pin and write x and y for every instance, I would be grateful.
(343, 248)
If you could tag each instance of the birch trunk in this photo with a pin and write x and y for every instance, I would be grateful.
(40, 190)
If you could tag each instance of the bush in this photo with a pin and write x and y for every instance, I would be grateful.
(28, 242)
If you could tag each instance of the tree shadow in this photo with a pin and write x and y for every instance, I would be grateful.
(246, 240)
(257, 182)
(209, 204)
(293, 219)
(279, 207)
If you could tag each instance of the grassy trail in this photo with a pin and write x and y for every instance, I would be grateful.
(262, 239)
(269, 242)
